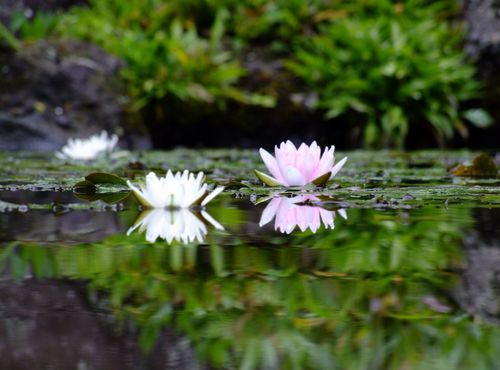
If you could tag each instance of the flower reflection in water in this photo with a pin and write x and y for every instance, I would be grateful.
(292, 212)
(181, 225)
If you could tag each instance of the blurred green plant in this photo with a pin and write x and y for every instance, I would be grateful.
(277, 22)
(164, 58)
(384, 75)
(41, 25)
(8, 37)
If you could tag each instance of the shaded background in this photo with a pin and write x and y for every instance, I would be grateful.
(227, 73)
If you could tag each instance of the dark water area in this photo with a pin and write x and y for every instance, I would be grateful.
(399, 270)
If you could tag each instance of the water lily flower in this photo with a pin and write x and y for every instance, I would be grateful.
(297, 167)
(180, 190)
(180, 225)
(291, 212)
(87, 149)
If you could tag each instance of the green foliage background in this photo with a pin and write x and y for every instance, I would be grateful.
(380, 68)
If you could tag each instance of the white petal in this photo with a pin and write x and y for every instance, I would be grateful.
(211, 220)
(338, 166)
(294, 177)
(212, 195)
(142, 197)
(342, 212)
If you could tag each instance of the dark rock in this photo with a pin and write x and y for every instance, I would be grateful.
(54, 90)
(71, 227)
(482, 43)
(48, 324)
(479, 288)
(483, 37)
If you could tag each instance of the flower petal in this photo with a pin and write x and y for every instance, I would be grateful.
(212, 220)
(338, 166)
(325, 163)
(139, 195)
(269, 211)
(294, 177)
(212, 195)
(271, 164)
(328, 218)
(342, 212)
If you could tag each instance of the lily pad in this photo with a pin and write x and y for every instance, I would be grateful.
(105, 178)
(84, 187)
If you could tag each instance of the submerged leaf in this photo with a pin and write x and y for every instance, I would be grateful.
(109, 198)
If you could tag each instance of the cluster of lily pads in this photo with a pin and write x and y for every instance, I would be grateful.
(169, 201)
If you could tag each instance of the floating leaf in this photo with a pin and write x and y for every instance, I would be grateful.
(105, 178)
(84, 187)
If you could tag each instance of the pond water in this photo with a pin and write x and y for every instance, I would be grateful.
(393, 265)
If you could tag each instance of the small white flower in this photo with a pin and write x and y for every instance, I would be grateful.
(174, 190)
(87, 149)
(180, 225)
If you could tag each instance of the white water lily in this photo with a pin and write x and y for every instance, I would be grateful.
(180, 190)
(180, 225)
(291, 212)
(87, 149)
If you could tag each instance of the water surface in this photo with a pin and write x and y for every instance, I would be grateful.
(399, 270)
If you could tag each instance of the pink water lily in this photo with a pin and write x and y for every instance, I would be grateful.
(297, 167)
(291, 212)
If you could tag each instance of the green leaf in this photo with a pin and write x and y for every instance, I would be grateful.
(84, 187)
(266, 179)
(322, 180)
(478, 117)
(105, 178)
(9, 38)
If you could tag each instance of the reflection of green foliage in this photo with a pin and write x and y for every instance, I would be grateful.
(354, 299)
(400, 245)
